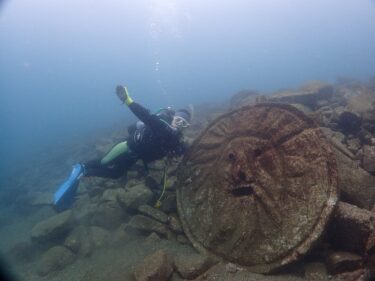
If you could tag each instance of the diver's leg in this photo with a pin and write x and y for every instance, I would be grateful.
(113, 165)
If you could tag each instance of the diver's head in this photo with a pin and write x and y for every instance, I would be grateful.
(181, 119)
(166, 114)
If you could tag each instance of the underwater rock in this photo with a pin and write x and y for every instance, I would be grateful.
(22, 252)
(315, 271)
(357, 275)
(182, 239)
(357, 186)
(84, 210)
(146, 224)
(258, 187)
(100, 237)
(362, 103)
(73, 240)
(87, 245)
(136, 196)
(40, 198)
(54, 228)
(349, 122)
(54, 259)
(351, 228)
(354, 145)
(151, 183)
(120, 235)
(337, 139)
(339, 262)
(110, 194)
(244, 97)
(221, 272)
(153, 213)
(108, 215)
(155, 267)
(175, 225)
(79, 241)
(169, 204)
(153, 238)
(365, 136)
(192, 265)
(309, 95)
(368, 160)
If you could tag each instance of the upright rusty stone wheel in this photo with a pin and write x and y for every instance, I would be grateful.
(258, 187)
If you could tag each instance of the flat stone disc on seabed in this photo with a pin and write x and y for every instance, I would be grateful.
(257, 187)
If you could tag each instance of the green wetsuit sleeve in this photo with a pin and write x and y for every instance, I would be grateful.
(116, 151)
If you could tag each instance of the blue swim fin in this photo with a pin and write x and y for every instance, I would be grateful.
(64, 196)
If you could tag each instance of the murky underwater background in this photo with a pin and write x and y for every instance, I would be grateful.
(59, 65)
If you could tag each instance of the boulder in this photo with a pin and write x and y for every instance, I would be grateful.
(151, 183)
(339, 262)
(100, 237)
(148, 225)
(354, 145)
(22, 252)
(169, 203)
(175, 225)
(337, 139)
(79, 241)
(153, 213)
(87, 245)
(309, 95)
(192, 265)
(136, 196)
(362, 103)
(244, 97)
(368, 160)
(156, 267)
(222, 272)
(56, 258)
(365, 136)
(40, 198)
(110, 195)
(153, 238)
(54, 228)
(349, 122)
(357, 185)
(315, 271)
(361, 274)
(182, 239)
(84, 211)
(120, 235)
(108, 215)
(351, 228)
(73, 240)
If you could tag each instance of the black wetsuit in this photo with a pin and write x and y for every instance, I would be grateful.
(153, 141)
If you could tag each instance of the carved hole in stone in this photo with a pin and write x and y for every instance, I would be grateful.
(241, 175)
(257, 152)
(231, 156)
(244, 190)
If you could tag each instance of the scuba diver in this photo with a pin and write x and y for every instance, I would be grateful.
(153, 137)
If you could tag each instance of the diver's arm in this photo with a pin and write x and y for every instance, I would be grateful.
(138, 110)
(144, 115)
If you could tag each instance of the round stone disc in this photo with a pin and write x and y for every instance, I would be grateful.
(257, 187)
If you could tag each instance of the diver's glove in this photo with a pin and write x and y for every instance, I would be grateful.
(122, 93)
